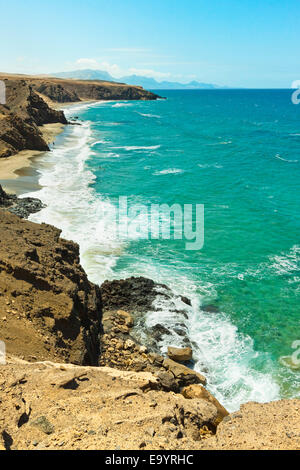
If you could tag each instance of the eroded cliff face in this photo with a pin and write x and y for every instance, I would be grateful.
(21, 117)
(49, 309)
(65, 91)
(29, 103)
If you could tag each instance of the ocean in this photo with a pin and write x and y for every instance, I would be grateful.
(237, 153)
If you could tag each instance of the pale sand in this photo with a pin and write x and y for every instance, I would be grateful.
(11, 165)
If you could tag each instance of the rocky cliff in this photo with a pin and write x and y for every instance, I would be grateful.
(21, 117)
(64, 91)
(30, 100)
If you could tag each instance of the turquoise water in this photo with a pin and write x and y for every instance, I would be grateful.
(236, 152)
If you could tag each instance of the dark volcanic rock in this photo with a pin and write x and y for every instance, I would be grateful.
(137, 295)
(26, 206)
(18, 206)
(6, 200)
(210, 309)
(134, 294)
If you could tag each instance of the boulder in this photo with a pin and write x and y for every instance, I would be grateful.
(199, 392)
(127, 318)
(183, 374)
(180, 354)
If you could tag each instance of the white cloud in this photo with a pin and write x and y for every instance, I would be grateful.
(116, 71)
(149, 73)
(94, 64)
(83, 63)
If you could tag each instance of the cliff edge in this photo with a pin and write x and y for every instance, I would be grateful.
(48, 308)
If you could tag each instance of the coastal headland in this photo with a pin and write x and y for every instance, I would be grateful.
(32, 115)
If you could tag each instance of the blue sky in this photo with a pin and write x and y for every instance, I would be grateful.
(243, 43)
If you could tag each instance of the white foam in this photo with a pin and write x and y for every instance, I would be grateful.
(70, 110)
(121, 105)
(286, 263)
(98, 142)
(169, 171)
(222, 354)
(130, 148)
(210, 165)
(75, 208)
(113, 155)
(150, 115)
(284, 159)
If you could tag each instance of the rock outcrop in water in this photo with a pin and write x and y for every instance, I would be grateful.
(137, 295)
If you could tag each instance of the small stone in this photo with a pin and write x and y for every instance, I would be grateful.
(129, 344)
(43, 424)
(153, 404)
(150, 432)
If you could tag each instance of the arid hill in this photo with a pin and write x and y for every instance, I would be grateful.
(30, 101)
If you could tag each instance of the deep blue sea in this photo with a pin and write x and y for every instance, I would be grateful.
(236, 152)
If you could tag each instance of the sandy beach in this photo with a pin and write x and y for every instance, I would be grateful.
(16, 166)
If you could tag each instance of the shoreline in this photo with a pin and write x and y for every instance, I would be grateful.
(25, 178)
(56, 217)
(17, 173)
(13, 168)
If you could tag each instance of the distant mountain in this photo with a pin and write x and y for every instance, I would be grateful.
(85, 75)
(145, 82)
(152, 84)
